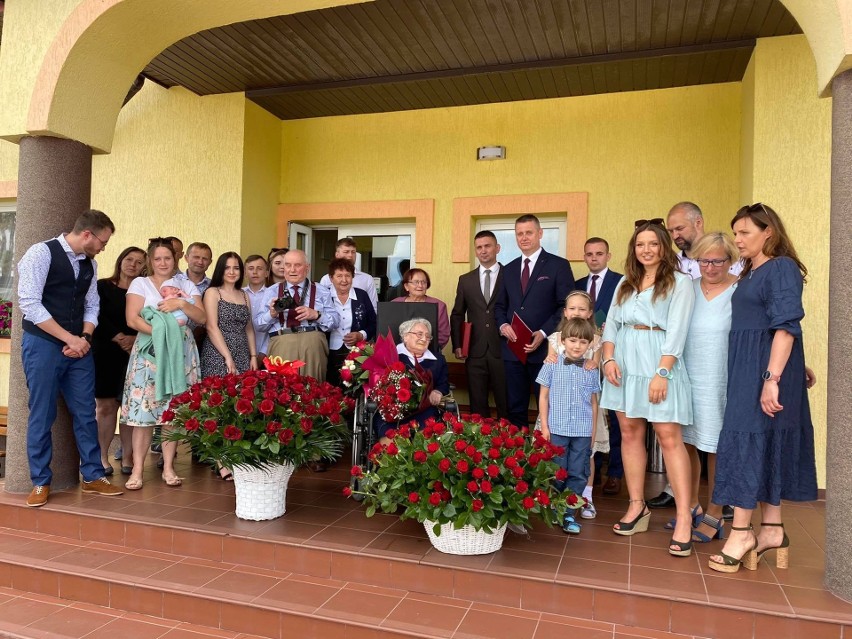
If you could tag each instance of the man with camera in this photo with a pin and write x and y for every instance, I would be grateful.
(296, 314)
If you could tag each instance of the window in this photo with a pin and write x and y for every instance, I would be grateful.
(553, 240)
(7, 250)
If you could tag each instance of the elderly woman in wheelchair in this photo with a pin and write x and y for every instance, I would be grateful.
(416, 334)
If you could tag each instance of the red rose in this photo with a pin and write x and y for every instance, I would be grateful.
(472, 486)
(462, 466)
(356, 470)
(509, 443)
(517, 472)
(460, 445)
(232, 433)
(529, 503)
(195, 404)
(247, 393)
(210, 425)
(493, 470)
(493, 453)
(192, 424)
(168, 415)
(485, 429)
(285, 436)
(392, 449)
(510, 462)
(250, 381)
(413, 498)
(435, 499)
(403, 395)
(390, 433)
(266, 406)
(477, 457)
(458, 428)
(244, 406)
(307, 425)
(444, 465)
(572, 499)
(272, 428)
(346, 375)
(419, 456)
(478, 473)
(439, 428)
(477, 505)
(561, 474)
(283, 397)
(438, 485)
(485, 486)
(521, 487)
(470, 451)
(231, 391)
(433, 447)
(347, 491)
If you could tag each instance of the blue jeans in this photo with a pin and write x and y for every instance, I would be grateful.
(576, 460)
(49, 373)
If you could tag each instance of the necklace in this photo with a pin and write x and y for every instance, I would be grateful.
(708, 289)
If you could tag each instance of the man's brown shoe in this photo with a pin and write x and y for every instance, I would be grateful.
(612, 486)
(101, 487)
(38, 496)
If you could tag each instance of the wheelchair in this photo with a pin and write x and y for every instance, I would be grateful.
(390, 316)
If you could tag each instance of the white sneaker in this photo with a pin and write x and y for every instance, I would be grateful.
(589, 511)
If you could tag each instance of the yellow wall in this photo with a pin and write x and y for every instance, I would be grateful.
(635, 153)
(175, 169)
(261, 177)
(791, 171)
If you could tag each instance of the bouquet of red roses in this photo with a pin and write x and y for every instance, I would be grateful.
(401, 392)
(353, 374)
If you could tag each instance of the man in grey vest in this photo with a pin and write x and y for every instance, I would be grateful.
(57, 291)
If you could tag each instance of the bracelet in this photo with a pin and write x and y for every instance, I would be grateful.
(607, 361)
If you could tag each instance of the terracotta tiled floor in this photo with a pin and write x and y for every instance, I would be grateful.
(319, 517)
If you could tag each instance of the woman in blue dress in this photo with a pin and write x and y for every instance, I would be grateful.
(645, 379)
(766, 447)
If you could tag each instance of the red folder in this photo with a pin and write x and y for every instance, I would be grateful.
(465, 345)
(524, 335)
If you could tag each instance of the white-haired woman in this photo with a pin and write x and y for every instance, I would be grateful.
(416, 334)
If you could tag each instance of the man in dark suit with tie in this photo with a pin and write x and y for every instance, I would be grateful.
(600, 284)
(476, 297)
(534, 286)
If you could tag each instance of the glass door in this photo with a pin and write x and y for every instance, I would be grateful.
(385, 251)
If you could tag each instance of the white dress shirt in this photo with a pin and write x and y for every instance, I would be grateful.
(361, 280)
(261, 338)
(599, 281)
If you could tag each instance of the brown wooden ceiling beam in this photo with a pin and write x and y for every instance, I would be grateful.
(507, 67)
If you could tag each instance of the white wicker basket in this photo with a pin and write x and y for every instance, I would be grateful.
(465, 540)
(261, 492)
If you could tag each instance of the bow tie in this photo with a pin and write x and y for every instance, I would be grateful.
(576, 362)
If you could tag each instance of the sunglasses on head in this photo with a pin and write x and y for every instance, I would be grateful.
(160, 240)
(658, 221)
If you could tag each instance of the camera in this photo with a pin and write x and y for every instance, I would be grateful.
(284, 303)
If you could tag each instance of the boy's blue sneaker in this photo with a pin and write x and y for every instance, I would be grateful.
(570, 525)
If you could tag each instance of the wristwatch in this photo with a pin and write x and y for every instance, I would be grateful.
(665, 373)
(87, 337)
(319, 315)
(769, 377)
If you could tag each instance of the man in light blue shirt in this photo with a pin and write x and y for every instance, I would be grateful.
(58, 295)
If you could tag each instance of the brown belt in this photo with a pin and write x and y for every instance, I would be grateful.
(642, 327)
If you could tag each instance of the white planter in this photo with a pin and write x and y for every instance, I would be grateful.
(465, 540)
(261, 492)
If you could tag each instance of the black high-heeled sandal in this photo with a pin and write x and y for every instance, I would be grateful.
(730, 564)
(637, 525)
(782, 557)
(684, 548)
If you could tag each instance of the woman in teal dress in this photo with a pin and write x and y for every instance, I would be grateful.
(766, 447)
(645, 379)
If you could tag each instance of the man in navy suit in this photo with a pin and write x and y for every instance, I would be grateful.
(534, 286)
(600, 284)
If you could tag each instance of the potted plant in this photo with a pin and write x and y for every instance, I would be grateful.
(5, 318)
(465, 480)
(261, 425)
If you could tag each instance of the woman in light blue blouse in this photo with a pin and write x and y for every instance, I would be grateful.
(645, 379)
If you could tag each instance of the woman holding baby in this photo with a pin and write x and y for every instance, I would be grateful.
(155, 375)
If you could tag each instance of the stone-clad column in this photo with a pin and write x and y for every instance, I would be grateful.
(838, 506)
(54, 187)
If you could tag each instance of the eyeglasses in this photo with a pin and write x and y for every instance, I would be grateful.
(420, 336)
(658, 221)
(418, 282)
(103, 244)
(719, 262)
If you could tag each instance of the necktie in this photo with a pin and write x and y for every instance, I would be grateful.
(525, 275)
(292, 322)
(593, 292)
(486, 293)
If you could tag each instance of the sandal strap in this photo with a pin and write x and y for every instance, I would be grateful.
(740, 528)
(711, 521)
(765, 524)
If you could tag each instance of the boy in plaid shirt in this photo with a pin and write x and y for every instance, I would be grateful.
(568, 404)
